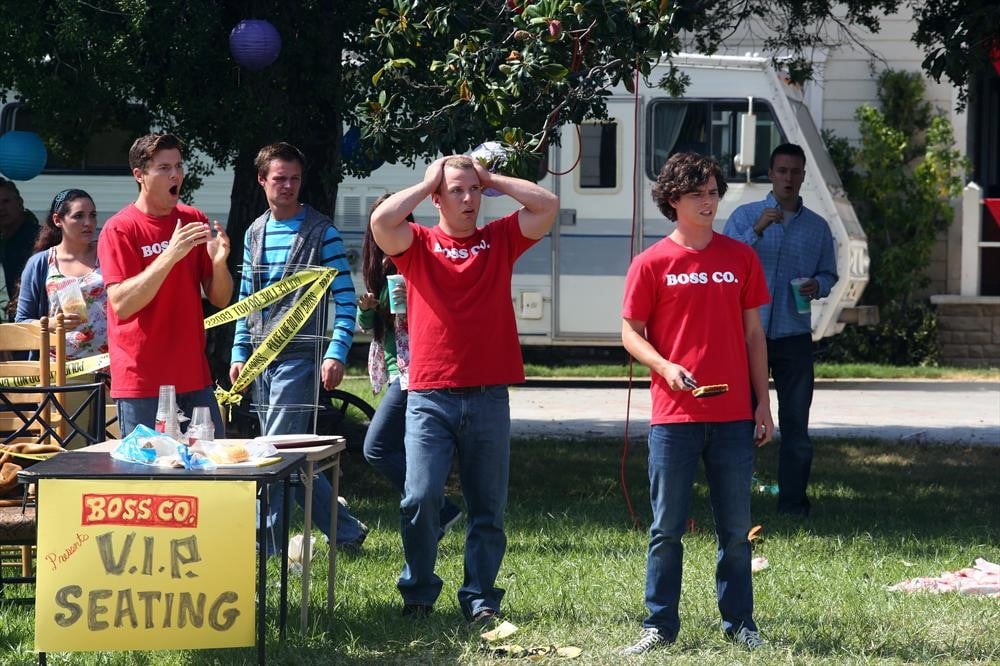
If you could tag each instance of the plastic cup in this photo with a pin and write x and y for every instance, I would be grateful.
(70, 298)
(166, 411)
(201, 426)
(397, 293)
(802, 304)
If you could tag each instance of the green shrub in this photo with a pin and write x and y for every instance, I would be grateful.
(906, 335)
(902, 179)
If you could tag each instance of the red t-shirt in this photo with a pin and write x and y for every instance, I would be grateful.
(462, 328)
(163, 343)
(692, 302)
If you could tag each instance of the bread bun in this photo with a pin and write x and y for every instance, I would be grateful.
(225, 455)
(710, 390)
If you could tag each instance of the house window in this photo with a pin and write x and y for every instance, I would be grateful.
(105, 151)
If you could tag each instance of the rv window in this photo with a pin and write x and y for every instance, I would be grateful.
(814, 141)
(709, 127)
(105, 153)
(599, 155)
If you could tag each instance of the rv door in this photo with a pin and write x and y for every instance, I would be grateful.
(593, 237)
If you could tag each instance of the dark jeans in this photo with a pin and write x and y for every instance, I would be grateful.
(473, 423)
(286, 394)
(791, 363)
(727, 452)
(384, 448)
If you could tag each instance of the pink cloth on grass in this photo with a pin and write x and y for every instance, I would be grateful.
(982, 579)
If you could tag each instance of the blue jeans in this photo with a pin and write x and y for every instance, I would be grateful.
(791, 362)
(727, 451)
(285, 393)
(133, 411)
(474, 423)
(384, 449)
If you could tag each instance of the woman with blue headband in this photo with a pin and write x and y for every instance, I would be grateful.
(65, 258)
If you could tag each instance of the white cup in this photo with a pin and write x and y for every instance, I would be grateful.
(201, 426)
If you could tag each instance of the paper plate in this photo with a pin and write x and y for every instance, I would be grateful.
(296, 441)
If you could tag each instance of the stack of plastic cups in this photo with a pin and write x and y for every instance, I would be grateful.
(201, 426)
(166, 412)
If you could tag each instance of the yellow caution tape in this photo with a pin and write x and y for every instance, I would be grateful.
(319, 280)
(266, 296)
(76, 368)
(278, 338)
(17, 382)
(29, 456)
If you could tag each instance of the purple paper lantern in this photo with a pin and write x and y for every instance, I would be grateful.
(22, 155)
(254, 44)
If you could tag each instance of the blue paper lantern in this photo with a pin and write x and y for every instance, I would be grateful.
(254, 44)
(22, 155)
(350, 143)
(350, 151)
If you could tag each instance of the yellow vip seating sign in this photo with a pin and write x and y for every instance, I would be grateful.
(133, 565)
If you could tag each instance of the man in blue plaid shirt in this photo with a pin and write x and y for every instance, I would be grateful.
(791, 242)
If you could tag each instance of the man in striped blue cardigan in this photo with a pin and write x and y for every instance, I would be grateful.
(287, 238)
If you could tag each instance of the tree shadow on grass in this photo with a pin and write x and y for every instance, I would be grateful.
(857, 486)
(898, 491)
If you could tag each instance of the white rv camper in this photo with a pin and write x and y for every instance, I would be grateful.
(567, 289)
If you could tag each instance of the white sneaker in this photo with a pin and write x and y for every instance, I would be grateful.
(748, 639)
(649, 639)
(295, 547)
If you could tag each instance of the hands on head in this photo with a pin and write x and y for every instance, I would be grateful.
(434, 174)
(485, 177)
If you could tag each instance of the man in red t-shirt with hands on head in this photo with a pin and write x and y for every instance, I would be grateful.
(156, 256)
(464, 351)
(690, 315)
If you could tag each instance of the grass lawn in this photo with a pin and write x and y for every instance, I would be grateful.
(574, 568)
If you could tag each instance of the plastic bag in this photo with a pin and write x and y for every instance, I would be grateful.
(144, 445)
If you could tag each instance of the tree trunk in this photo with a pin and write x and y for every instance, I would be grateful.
(246, 203)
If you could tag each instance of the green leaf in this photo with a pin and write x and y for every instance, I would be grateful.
(554, 71)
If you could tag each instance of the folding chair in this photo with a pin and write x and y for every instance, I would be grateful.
(35, 420)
